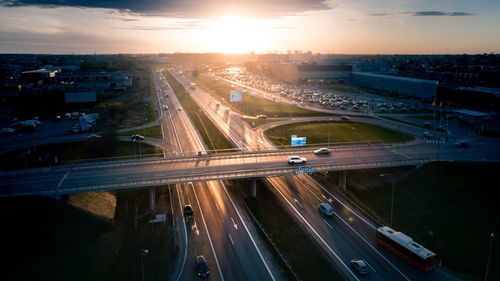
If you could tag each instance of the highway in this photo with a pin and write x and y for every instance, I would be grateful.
(219, 230)
(348, 234)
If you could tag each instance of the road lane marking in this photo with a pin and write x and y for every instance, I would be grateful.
(343, 205)
(208, 233)
(217, 206)
(248, 232)
(185, 236)
(63, 178)
(399, 153)
(297, 201)
(328, 224)
(230, 238)
(234, 224)
(371, 246)
(316, 233)
(370, 266)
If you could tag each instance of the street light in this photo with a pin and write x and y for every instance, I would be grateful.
(392, 193)
(144, 252)
(492, 236)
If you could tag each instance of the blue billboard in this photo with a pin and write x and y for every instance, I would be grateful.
(298, 141)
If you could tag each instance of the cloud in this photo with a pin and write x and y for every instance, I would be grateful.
(438, 14)
(379, 14)
(187, 8)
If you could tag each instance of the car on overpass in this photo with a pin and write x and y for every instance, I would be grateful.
(137, 137)
(428, 135)
(345, 118)
(462, 144)
(323, 150)
(296, 160)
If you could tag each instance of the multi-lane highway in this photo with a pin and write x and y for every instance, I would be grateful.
(219, 231)
(348, 234)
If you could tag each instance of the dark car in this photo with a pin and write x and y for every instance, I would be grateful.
(360, 266)
(188, 212)
(201, 267)
(462, 143)
(137, 137)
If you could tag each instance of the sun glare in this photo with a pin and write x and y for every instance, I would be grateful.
(233, 34)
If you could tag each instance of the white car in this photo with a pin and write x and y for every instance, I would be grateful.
(322, 150)
(345, 118)
(296, 160)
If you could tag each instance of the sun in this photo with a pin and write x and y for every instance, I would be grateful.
(234, 34)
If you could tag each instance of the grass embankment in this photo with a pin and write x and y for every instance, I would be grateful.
(45, 239)
(451, 208)
(211, 135)
(150, 132)
(334, 132)
(44, 155)
(301, 252)
(252, 105)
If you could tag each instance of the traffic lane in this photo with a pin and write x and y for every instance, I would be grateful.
(218, 227)
(199, 243)
(247, 255)
(338, 236)
(388, 268)
(366, 228)
(26, 183)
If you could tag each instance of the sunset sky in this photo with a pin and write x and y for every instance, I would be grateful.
(335, 26)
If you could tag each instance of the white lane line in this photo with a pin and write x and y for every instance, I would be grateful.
(399, 153)
(234, 224)
(316, 233)
(370, 266)
(217, 206)
(300, 197)
(370, 245)
(343, 205)
(331, 227)
(185, 236)
(248, 232)
(208, 233)
(297, 201)
(63, 178)
(231, 238)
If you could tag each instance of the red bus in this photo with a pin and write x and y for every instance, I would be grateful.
(407, 249)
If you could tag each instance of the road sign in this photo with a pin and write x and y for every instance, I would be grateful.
(304, 170)
(235, 96)
(298, 141)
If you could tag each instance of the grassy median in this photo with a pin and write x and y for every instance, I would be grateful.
(334, 132)
(150, 132)
(211, 135)
(252, 105)
(304, 256)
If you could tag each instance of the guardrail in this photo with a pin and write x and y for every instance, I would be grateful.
(203, 175)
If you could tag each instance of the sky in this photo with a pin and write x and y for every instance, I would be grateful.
(242, 26)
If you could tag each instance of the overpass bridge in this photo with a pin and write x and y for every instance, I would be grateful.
(109, 176)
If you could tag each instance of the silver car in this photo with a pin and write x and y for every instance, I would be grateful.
(323, 150)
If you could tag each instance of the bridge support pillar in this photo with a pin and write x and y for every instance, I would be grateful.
(343, 180)
(152, 199)
(253, 188)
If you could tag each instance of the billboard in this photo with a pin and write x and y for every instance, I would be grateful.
(298, 141)
(235, 96)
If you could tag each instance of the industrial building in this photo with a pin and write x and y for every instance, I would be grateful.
(418, 88)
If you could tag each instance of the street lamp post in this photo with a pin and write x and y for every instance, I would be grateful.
(144, 252)
(492, 236)
(392, 194)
